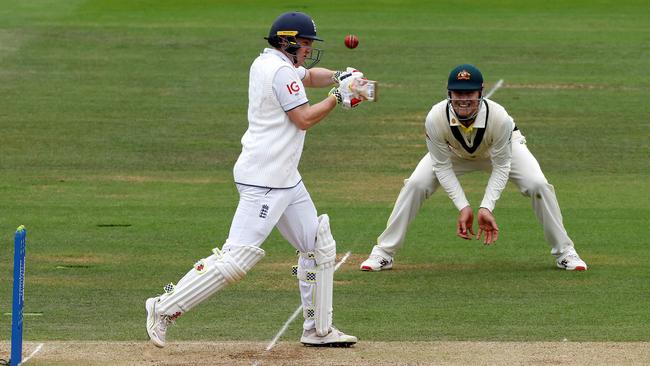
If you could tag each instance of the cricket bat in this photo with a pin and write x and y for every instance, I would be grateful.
(365, 88)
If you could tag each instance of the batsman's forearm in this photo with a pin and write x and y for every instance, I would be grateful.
(320, 77)
(307, 116)
(321, 109)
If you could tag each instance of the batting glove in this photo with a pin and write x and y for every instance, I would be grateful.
(345, 98)
(342, 75)
(337, 94)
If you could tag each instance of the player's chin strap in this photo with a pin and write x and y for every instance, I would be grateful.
(289, 45)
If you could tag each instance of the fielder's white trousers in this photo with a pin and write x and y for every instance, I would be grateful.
(525, 172)
(290, 210)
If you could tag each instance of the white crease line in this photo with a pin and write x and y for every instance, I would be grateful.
(38, 348)
(494, 88)
(295, 313)
(284, 328)
(345, 258)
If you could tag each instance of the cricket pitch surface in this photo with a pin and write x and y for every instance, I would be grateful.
(72, 353)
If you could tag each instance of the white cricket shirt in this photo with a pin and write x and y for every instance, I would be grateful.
(488, 138)
(272, 145)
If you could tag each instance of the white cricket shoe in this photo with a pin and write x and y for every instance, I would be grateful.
(335, 338)
(571, 261)
(376, 263)
(156, 323)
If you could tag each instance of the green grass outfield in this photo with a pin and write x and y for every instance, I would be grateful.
(129, 113)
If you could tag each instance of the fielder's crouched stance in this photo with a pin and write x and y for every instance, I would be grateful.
(270, 187)
(467, 133)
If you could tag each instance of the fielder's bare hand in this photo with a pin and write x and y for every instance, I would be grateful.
(487, 225)
(465, 222)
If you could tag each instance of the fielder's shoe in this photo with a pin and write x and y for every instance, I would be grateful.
(156, 324)
(571, 261)
(376, 263)
(335, 338)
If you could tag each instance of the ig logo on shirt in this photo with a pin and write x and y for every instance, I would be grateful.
(293, 88)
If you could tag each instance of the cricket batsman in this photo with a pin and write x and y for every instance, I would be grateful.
(271, 190)
(465, 133)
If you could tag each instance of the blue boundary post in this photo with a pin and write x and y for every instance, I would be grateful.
(18, 297)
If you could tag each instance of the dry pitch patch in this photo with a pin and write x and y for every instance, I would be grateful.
(365, 353)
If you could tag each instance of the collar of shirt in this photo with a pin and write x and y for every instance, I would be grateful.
(273, 51)
(479, 121)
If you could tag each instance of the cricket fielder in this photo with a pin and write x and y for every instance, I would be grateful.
(464, 133)
(270, 187)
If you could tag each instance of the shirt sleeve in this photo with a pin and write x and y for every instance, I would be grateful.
(442, 167)
(288, 88)
(501, 158)
(302, 72)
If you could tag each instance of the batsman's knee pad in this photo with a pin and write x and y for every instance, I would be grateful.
(325, 256)
(208, 276)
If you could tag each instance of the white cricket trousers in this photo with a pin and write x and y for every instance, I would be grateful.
(290, 210)
(525, 172)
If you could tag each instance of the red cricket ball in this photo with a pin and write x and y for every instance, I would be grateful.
(351, 41)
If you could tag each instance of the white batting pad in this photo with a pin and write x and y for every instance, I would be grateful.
(325, 255)
(208, 276)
